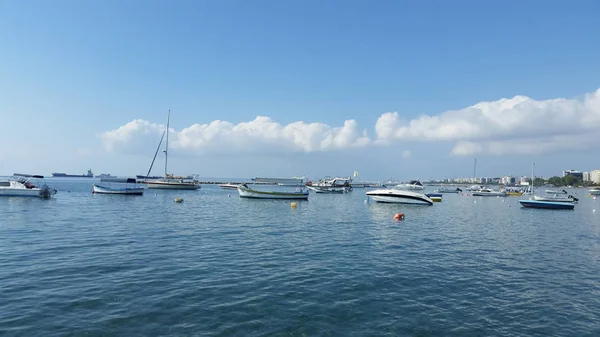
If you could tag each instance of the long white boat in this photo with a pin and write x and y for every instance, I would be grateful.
(21, 185)
(169, 182)
(594, 191)
(329, 189)
(447, 189)
(556, 192)
(555, 198)
(247, 192)
(399, 196)
(123, 190)
(487, 192)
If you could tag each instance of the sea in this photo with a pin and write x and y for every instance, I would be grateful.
(335, 265)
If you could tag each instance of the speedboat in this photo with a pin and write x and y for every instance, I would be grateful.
(594, 191)
(399, 196)
(488, 192)
(473, 188)
(555, 198)
(413, 185)
(21, 185)
(110, 189)
(246, 192)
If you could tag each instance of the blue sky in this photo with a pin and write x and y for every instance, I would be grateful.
(73, 70)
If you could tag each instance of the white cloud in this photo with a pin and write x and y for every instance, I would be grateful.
(519, 125)
(259, 135)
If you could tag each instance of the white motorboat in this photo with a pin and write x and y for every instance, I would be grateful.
(21, 185)
(246, 192)
(594, 191)
(474, 188)
(123, 190)
(488, 192)
(169, 182)
(399, 196)
(413, 185)
(555, 198)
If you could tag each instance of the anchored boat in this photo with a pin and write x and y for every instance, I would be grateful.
(111, 189)
(21, 185)
(246, 192)
(169, 181)
(399, 196)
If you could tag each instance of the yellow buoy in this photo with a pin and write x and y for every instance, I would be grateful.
(294, 204)
(178, 200)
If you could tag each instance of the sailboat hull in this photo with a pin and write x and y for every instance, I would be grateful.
(124, 191)
(546, 204)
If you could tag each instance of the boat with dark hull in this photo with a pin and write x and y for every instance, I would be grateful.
(64, 175)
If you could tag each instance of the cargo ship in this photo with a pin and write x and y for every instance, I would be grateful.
(64, 175)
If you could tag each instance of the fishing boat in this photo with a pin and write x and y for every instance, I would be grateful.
(108, 186)
(488, 192)
(229, 186)
(399, 196)
(555, 198)
(246, 192)
(544, 204)
(22, 185)
(169, 181)
(594, 191)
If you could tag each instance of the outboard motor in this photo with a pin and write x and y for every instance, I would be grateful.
(572, 197)
(47, 192)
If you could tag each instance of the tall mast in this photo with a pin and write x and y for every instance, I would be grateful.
(167, 143)
(532, 168)
(474, 167)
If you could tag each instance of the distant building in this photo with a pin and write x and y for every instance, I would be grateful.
(595, 176)
(524, 180)
(575, 173)
(586, 176)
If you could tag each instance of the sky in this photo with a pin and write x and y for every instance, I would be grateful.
(403, 89)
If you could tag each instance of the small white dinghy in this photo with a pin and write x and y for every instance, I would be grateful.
(111, 189)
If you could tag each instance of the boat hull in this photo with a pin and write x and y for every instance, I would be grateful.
(399, 197)
(330, 190)
(594, 192)
(489, 194)
(123, 191)
(546, 204)
(229, 186)
(17, 192)
(254, 194)
(171, 185)
(553, 199)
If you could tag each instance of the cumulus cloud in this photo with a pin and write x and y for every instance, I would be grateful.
(519, 125)
(261, 134)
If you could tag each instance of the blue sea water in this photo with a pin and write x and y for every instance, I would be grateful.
(83, 264)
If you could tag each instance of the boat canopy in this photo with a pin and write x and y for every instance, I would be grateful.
(119, 180)
(415, 182)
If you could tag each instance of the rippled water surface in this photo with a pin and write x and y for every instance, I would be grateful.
(84, 264)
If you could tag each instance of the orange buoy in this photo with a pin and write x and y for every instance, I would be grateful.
(399, 216)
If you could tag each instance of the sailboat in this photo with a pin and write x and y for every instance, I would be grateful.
(169, 182)
(533, 203)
